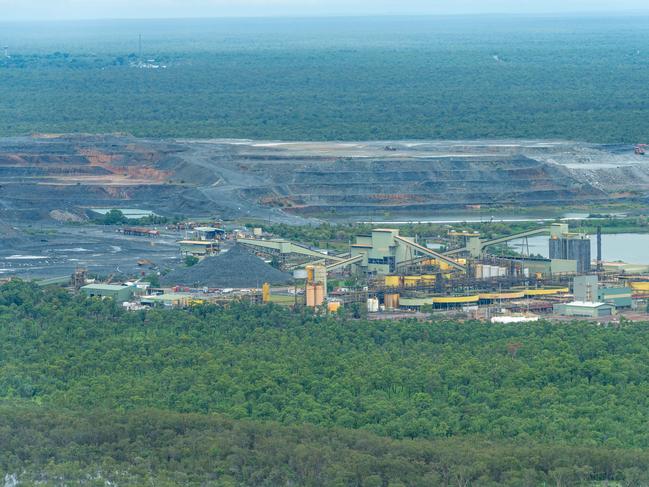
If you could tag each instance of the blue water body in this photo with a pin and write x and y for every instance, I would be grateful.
(632, 248)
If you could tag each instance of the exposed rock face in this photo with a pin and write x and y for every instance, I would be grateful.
(66, 216)
(283, 181)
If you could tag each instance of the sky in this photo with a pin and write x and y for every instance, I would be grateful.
(100, 9)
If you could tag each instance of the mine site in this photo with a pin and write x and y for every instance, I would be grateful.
(61, 178)
(51, 188)
(324, 243)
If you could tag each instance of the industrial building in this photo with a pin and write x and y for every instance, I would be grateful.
(140, 232)
(584, 309)
(384, 251)
(620, 297)
(588, 289)
(117, 292)
(198, 248)
(572, 246)
(208, 233)
(402, 273)
(585, 288)
(594, 301)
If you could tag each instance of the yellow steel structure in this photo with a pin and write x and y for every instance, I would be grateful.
(640, 285)
(411, 281)
(546, 291)
(392, 281)
(456, 299)
(496, 296)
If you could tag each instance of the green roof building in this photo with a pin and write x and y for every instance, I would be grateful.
(117, 292)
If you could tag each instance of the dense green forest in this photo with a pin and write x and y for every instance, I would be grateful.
(153, 447)
(262, 395)
(332, 79)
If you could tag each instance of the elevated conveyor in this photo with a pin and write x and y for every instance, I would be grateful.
(285, 247)
(431, 253)
(344, 263)
(475, 246)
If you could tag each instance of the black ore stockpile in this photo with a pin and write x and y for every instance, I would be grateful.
(235, 268)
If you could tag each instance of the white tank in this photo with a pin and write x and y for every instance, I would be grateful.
(372, 305)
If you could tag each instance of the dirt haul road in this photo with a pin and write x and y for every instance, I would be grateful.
(45, 178)
(49, 185)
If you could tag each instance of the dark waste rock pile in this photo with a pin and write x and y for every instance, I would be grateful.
(235, 268)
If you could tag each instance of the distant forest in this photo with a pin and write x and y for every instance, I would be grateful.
(332, 79)
(265, 396)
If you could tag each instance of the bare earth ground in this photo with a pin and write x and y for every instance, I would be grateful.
(47, 180)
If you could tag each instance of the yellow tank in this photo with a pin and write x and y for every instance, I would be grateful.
(428, 278)
(640, 285)
(265, 292)
(392, 281)
(391, 301)
(333, 306)
(314, 295)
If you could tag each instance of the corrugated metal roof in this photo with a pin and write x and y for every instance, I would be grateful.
(105, 287)
(585, 304)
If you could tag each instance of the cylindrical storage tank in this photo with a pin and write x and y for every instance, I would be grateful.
(391, 301)
(310, 273)
(486, 271)
(333, 306)
(392, 281)
(319, 294)
(478, 271)
(372, 305)
(265, 292)
(310, 295)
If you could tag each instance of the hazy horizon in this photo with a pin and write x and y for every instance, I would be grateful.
(39, 10)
